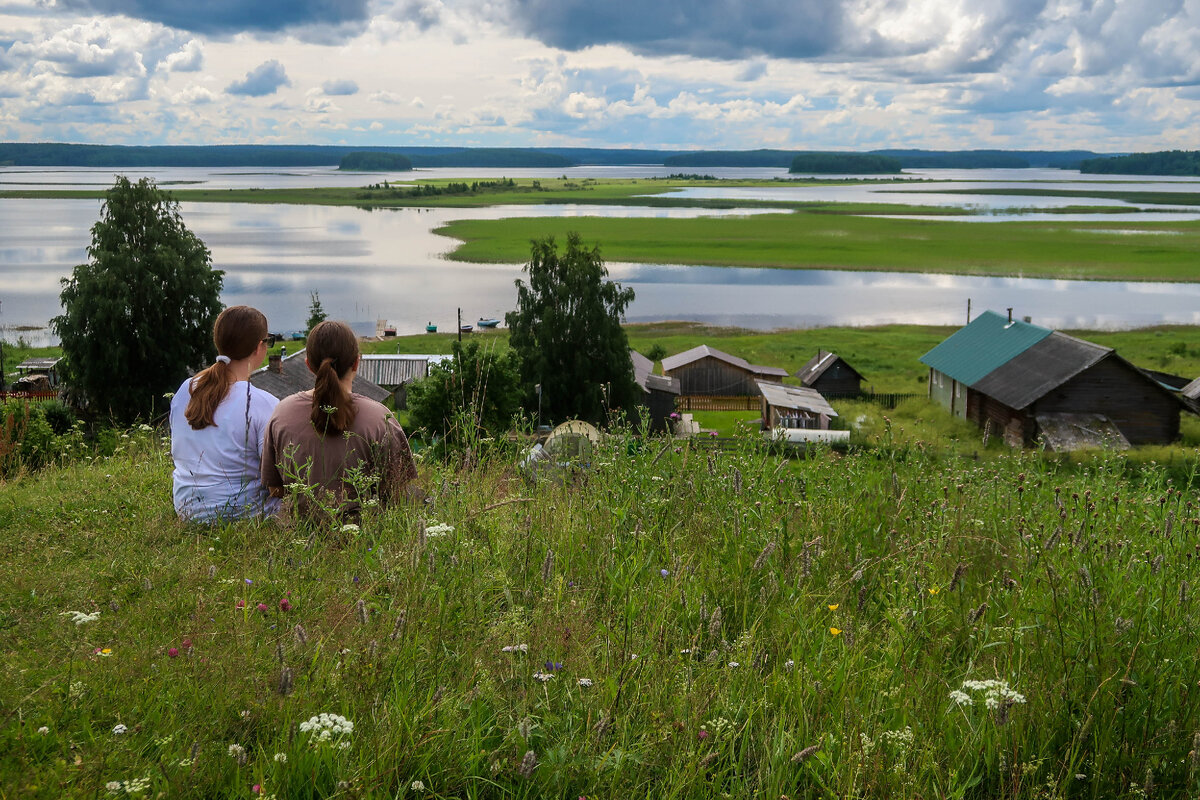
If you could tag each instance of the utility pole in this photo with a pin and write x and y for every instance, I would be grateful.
(460, 325)
(968, 311)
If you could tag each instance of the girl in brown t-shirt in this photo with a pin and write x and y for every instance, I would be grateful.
(341, 448)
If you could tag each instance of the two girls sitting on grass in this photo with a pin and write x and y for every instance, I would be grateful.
(237, 449)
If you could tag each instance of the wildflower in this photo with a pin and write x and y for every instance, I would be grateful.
(324, 727)
(256, 789)
(553, 666)
(238, 753)
(633, 656)
(515, 648)
(187, 644)
(281, 758)
(172, 652)
(240, 603)
(262, 607)
(43, 730)
(417, 786)
(438, 529)
(350, 527)
(934, 590)
(664, 572)
(285, 604)
(248, 581)
(833, 606)
(687, 651)
(835, 631)
(789, 665)
(528, 764)
(104, 652)
(585, 682)
(113, 787)
(734, 665)
(961, 697)
(80, 618)
(703, 734)
(542, 676)
(119, 729)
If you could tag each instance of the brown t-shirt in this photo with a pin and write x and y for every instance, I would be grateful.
(294, 452)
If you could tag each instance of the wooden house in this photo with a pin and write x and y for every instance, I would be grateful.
(1026, 382)
(658, 392)
(396, 372)
(285, 375)
(705, 370)
(794, 407)
(831, 375)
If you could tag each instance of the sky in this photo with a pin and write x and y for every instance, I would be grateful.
(1103, 75)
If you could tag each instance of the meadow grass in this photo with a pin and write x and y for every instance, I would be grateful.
(715, 623)
(1070, 250)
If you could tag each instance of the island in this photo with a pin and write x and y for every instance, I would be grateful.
(374, 161)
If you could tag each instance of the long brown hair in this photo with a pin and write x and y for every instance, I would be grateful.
(236, 333)
(332, 351)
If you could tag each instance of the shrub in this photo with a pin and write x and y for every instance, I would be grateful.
(26, 438)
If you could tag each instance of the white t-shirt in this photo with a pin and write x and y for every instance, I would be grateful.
(218, 468)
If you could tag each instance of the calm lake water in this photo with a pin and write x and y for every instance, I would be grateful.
(388, 264)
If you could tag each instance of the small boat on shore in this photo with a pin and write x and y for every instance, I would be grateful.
(488, 323)
(431, 328)
(465, 328)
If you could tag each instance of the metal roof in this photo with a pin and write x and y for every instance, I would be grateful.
(704, 351)
(800, 398)
(38, 364)
(988, 342)
(817, 365)
(392, 370)
(643, 375)
(294, 376)
(1192, 390)
(1040, 368)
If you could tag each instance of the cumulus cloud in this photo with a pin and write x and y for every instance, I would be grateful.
(228, 17)
(264, 79)
(340, 88)
(722, 29)
(189, 59)
(81, 51)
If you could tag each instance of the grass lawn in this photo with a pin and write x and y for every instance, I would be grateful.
(1073, 250)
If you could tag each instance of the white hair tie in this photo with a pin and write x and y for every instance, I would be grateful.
(223, 359)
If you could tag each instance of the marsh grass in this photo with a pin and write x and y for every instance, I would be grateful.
(748, 625)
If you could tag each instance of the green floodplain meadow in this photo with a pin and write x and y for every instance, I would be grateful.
(925, 613)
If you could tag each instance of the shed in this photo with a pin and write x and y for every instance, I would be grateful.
(794, 407)
(396, 372)
(704, 370)
(286, 375)
(831, 375)
(40, 366)
(1001, 373)
(658, 392)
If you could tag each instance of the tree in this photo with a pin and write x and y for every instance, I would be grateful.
(139, 315)
(568, 337)
(477, 387)
(316, 312)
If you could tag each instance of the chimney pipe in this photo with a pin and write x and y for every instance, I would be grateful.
(275, 364)
(1010, 316)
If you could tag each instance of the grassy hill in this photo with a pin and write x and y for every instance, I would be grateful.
(883, 623)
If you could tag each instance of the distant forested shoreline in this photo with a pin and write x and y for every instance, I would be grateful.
(844, 164)
(1178, 163)
(49, 154)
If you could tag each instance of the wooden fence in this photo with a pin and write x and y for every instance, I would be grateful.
(36, 397)
(700, 402)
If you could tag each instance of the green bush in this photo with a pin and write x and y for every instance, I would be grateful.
(60, 417)
(26, 438)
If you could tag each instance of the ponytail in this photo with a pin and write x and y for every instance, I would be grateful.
(333, 348)
(208, 389)
(236, 333)
(332, 408)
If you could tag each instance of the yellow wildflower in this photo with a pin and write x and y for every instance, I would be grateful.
(833, 607)
(934, 590)
(835, 631)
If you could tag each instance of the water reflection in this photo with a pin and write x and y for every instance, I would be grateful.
(389, 264)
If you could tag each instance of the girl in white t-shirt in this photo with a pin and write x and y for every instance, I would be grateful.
(218, 420)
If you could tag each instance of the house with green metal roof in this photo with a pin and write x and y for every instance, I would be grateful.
(1035, 385)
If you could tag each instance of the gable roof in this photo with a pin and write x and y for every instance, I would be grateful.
(643, 375)
(704, 351)
(800, 398)
(1040, 368)
(818, 364)
(987, 343)
(294, 376)
(394, 370)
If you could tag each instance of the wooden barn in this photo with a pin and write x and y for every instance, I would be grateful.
(396, 372)
(1030, 384)
(658, 392)
(705, 370)
(285, 375)
(831, 375)
(794, 407)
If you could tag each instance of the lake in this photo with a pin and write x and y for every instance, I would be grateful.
(387, 264)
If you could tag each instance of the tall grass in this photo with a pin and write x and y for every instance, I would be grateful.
(715, 623)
